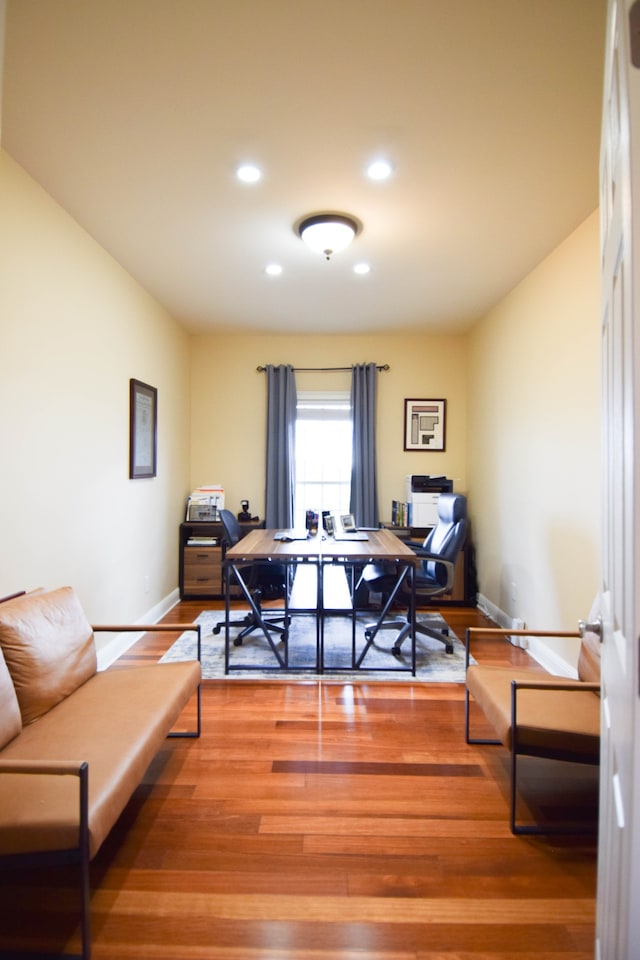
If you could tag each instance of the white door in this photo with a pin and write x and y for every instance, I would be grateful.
(618, 921)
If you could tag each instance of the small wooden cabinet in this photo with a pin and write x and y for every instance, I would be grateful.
(200, 563)
(200, 572)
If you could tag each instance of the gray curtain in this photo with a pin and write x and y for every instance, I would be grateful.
(364, 480)
(281, 425)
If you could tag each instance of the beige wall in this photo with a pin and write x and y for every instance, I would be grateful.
(534, 439)
(229, 404)
(522, 393)
(74, 327)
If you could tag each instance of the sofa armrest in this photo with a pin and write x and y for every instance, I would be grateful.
(473, 632)
(554, 685)
(53, 768)
(152, 628)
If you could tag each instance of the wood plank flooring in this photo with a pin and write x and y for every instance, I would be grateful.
(322, 821)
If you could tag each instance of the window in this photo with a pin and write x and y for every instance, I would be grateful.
(323, 453)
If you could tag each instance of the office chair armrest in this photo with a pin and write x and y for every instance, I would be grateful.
(447, 564)
(427, 555)
(414, 545)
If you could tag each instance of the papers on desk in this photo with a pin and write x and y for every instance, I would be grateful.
(291, 534)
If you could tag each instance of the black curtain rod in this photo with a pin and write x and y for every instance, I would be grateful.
(382, 366)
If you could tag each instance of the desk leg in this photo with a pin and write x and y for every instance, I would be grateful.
(353, 590)
(371, 634)
(227, 608)
(282, 661)
(320, 618)
(412, 587)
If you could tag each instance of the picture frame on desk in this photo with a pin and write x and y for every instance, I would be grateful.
(143, 430)
(425, 425)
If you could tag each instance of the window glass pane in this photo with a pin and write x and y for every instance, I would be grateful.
(323, 454)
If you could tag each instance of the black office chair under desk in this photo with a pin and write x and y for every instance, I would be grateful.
(263, 579)
(438, 553)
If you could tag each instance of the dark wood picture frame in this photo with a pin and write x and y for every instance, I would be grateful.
(425, 425)
(143, 430)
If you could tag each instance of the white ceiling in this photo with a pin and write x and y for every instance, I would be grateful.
(134, 114)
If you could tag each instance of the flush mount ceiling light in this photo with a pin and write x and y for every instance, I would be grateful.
(328, 233)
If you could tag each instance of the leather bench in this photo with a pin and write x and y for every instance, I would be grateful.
(537, 714)
(75, 742)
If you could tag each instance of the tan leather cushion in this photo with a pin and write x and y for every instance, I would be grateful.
(552, 720)
(48, 645)
(10, 720)
(117, 722)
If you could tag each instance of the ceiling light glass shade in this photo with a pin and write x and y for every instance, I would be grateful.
(328, 233)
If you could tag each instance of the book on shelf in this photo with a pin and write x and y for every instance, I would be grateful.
(400, 513)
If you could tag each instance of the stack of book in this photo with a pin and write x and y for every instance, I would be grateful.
(400, 513)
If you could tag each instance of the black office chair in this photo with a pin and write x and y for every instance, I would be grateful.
(439, 553)
(264, 580)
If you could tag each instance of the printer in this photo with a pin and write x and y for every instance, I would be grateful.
(422, 494)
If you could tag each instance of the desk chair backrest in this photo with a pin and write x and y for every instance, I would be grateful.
(231, 527)
(270, 578)
(448, 536)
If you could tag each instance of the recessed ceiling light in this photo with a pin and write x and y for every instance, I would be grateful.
(273, 269)
(379, 170)
(362, 269)
(249, 173)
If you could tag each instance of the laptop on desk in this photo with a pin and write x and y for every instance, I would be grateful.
(291, 534)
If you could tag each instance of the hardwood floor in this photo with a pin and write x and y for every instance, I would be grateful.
(322, 821)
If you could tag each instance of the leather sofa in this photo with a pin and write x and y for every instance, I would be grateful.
(537, 714)
(75, 742)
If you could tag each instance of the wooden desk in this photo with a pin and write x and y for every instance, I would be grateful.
(320, 550)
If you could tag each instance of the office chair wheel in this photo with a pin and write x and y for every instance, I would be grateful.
(449, 648)
(237, 641)
(396, 651)
(217, 628)
(367, 634)
(284, 636)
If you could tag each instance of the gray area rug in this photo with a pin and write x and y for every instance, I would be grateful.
(255, 659)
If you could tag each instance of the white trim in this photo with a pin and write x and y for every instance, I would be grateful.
(493, 612)
(122, 642)
(543, 654)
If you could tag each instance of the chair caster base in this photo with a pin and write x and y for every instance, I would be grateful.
(396, 651)
(237, 642)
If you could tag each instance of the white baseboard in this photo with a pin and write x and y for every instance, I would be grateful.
(122, 642)
(494, 613)
(536, 647)
(549, 659)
